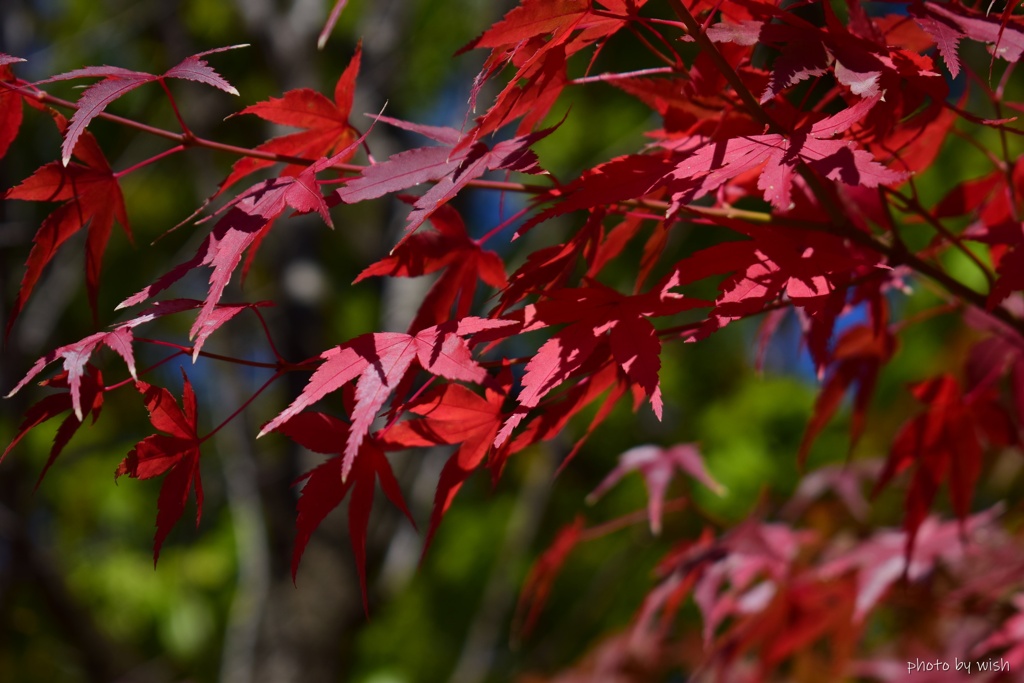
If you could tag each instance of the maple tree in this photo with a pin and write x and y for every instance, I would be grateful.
(784, 180)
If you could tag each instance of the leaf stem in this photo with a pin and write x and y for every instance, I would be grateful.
(214, 356)
(144, 371)
(242, 407)
(654, 50)
(501, 226)
(608, 77)
(270, 339)
(924, 315)
(174, 105)
(147, 162)
(627, 520)
(186, 139)
(912, 205)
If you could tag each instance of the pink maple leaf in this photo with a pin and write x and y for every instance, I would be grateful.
(381, 361)
(450, 167)
(118, 81)
(713, 164)
(657, 465)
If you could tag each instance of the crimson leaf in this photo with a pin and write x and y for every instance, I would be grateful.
(325, 125)
(380, 361)
(325, 486)
(92, 200)
(175, 453)
(450, 415)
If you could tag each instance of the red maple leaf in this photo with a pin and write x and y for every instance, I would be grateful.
(451, 414)
(537, 38)
(1008, 640)
(76, 356)
(882, 560)
(595, 312)
(804, 51)
(450, 167)
(859, 356)
(89, 394)
(174, 453)
(802, 614)
(872, 57)
(118, 81)
(714, 163)
(866, 64)
(92, 199)
(1001, 354)
(326, 487)
(751, 565)
(381, 361)
(658, 465)
(549, 268)
(84, 383)
(945, 443)
(949, 22)
(812, 270)
(845, 480)
(537, 586)
(10, 104)
(620, 179)
(449, 248)
(325, 123)
(598, 381)
(535, 19)
(246, 220)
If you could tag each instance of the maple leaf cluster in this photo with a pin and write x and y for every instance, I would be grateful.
(791, 140)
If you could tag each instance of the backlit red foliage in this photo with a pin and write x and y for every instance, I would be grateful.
(793, 135)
